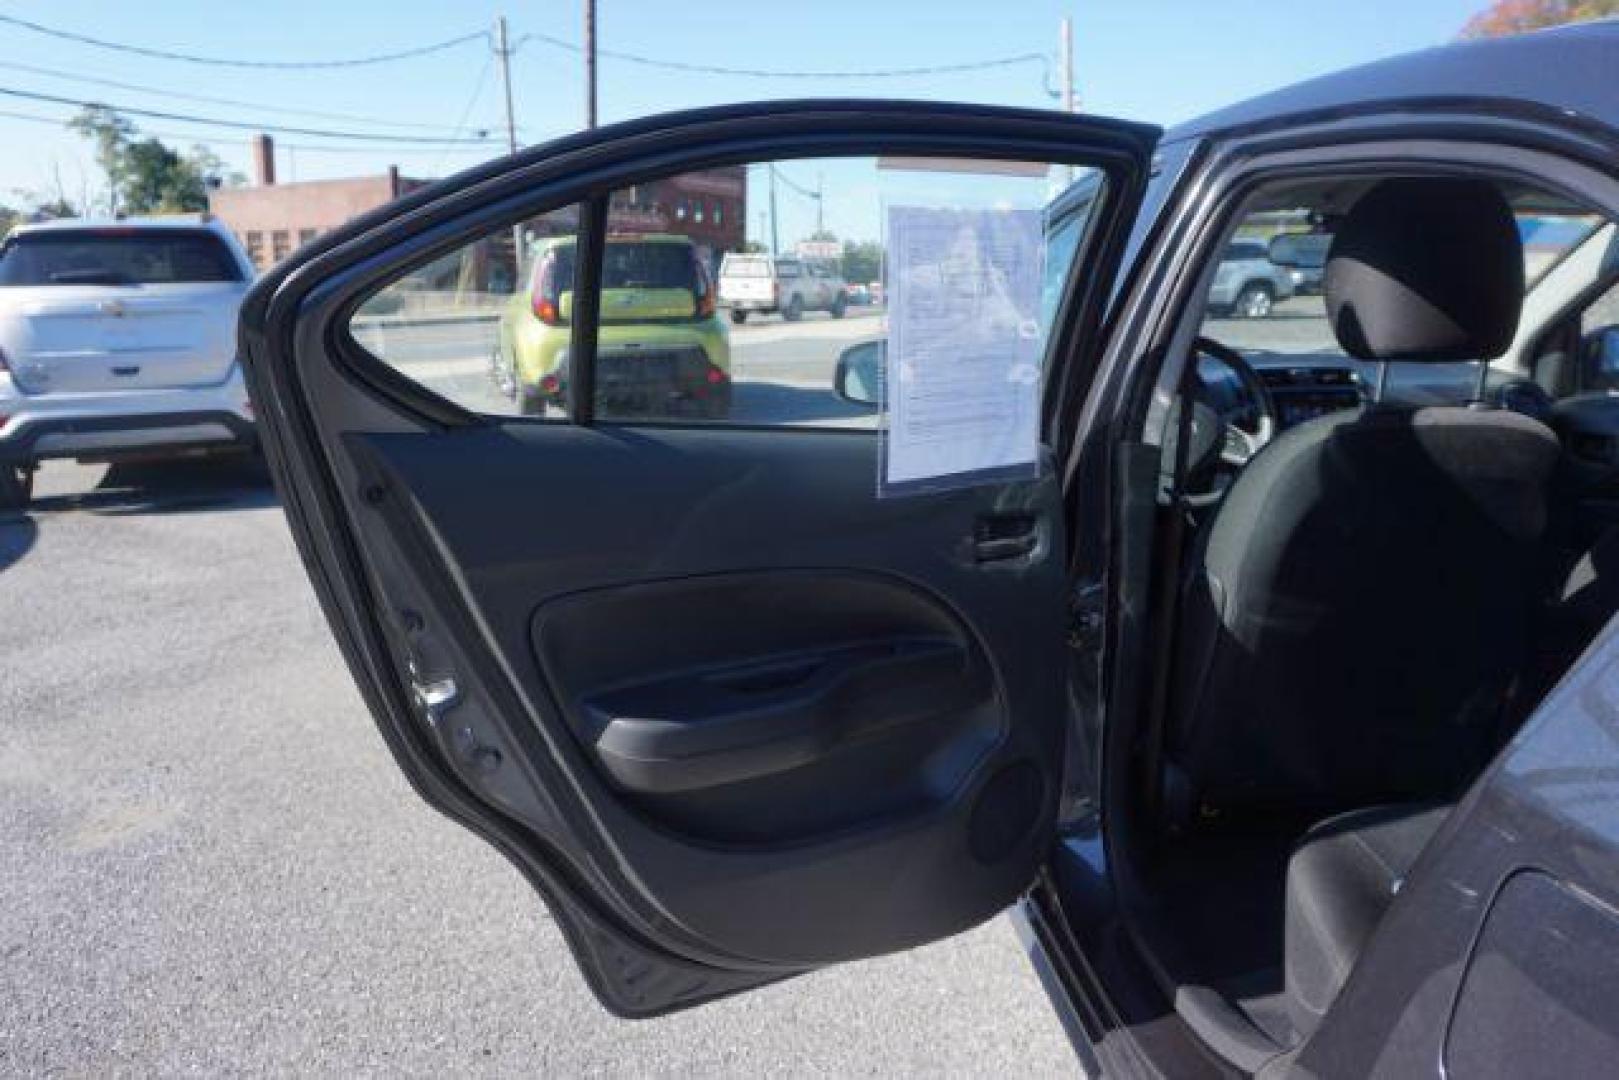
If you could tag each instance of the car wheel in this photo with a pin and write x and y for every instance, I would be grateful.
(16, 486)
(718, 407)
(739, 316)
(838, 307)
(1254, 302)
(530, 402)
(794, 309)
(503, 373)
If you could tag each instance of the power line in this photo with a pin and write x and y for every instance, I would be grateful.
(776, 73)
(60, 121)
(180, 95)
(799, 188)
(220, 61)
(477, 92)
(242, 125)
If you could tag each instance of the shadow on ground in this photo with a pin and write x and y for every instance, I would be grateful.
(17, 535)
(168, 487)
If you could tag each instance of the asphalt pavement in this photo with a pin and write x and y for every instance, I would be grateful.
(209, 864)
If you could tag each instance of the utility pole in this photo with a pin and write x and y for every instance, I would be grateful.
(775, 234)
(1066, 46)
(590, 63)
(503, 50)
(820, 205)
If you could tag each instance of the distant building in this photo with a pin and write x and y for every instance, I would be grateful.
(272, 220)
(710, 206)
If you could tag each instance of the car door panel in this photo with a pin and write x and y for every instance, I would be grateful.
(733, 714)
(730, 556)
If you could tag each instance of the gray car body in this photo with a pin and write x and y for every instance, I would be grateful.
(1530, 857)
(1500, 954)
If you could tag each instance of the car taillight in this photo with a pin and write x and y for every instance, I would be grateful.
(544, 298)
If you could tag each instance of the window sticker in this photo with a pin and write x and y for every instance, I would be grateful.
(962, 375)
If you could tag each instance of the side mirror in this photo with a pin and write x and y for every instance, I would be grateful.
(1601, 349)
(1300, 250)
(859, 373)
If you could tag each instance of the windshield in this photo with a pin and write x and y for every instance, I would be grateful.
(1243, 252)
(649, 266)
(116, 257)
(746, 267)
(630, 266)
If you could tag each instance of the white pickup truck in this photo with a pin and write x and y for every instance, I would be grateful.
(755, 282)
(118, 338)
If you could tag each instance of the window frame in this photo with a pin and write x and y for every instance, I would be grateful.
(1110, 148)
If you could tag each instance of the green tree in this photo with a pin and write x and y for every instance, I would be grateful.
(111, 134)
(1521, 16)
(862, 261)
(143, 175)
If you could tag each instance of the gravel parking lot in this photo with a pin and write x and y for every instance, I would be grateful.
(209, 864)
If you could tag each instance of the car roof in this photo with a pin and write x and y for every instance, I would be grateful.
(1569, 69)
(191, 222)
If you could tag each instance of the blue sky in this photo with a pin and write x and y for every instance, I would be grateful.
(1156, 60)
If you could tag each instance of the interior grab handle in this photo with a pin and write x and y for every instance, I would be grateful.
(998, 537)
(693, 730)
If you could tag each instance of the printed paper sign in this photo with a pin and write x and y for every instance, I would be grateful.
(964, 344)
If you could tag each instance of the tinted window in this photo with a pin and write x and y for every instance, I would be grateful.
(113, 257)
(735, 267)
(624, 266)
(648, 266)
(1237, 252)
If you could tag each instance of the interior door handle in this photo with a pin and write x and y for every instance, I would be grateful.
(998, 537)
(697, 730)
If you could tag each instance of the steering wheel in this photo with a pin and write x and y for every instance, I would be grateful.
(1242, 444)
(1238, 445)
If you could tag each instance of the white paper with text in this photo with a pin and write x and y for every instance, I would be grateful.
(964, 346)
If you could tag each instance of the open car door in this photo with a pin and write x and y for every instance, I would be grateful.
(733, 714)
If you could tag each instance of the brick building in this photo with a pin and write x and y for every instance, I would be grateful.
(710, 206)
(271, 219)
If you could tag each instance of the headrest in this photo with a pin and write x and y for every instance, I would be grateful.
(1426, 268)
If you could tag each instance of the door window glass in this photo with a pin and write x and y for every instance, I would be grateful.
(757, 312)
(462, 324)
(748, 317)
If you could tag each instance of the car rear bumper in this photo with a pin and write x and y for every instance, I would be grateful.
(107, 426)
(749, 305)
(656, 383)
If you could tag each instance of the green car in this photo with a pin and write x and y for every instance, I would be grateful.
(661, 351)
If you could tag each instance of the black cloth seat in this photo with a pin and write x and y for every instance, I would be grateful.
(1342, 877)
(1361, 599)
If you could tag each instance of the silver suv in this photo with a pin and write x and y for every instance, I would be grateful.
(755, 282)
(1246, 283)
(118, 338)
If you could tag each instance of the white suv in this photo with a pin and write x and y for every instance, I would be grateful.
(755, 282)
(118, 339)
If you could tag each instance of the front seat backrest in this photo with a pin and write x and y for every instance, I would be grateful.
(1359, 602)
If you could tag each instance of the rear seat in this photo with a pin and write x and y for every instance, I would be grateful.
(1341, 878)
